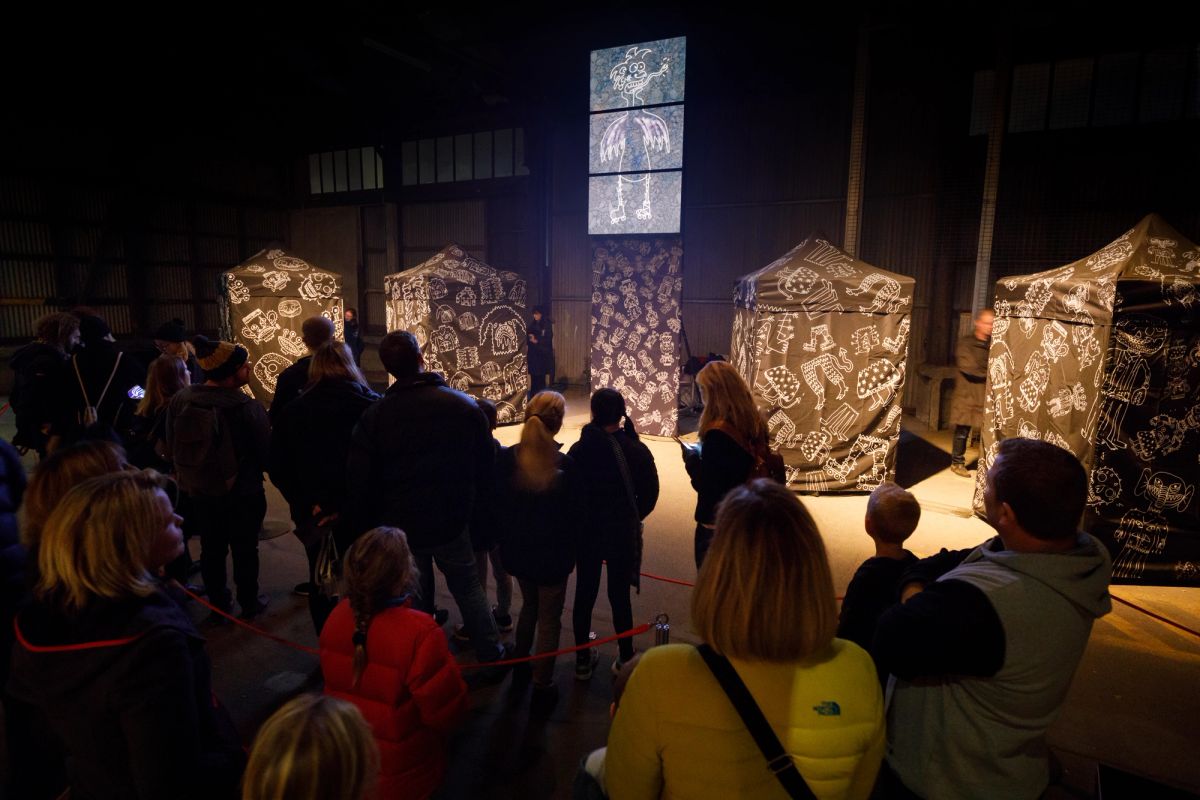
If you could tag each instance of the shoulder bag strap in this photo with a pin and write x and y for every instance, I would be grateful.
(79, 378)
(778, 760)
(107, 383)
(733, 433)
(623, 466)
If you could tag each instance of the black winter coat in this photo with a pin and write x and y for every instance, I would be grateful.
(541, 353)
(310, 443)
(248, 426)
(126, 686)
(12, 554)
(288, 386)
(37, 369)
(718, 466)
(416, 458)
(605, 515)
(485, 526)
(538, 529)
(115, 412)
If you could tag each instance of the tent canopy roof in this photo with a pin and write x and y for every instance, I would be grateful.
(454, 264)
(816, 275)
(1153, 265)
(275, 259)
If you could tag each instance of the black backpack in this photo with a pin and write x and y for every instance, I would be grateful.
(202, 450)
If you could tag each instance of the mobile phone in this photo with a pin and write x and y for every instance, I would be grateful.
(136, 393)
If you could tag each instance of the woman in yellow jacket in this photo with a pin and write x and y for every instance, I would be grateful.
(764, 600)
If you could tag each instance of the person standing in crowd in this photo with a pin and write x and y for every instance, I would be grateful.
(314, 747)
(391, 660)
(171, 339)
(541, 350)
(984, 645)
(37, 368)
(485, 542)
(417, 460)
(146, 441)
(314, 331)
(966, 406)
(12, 554)
(764, 607)
(112, 660)
(218, 438)
(619, 489)
(95, 398)
(310, 442)
(353, 335)
(534, 493)
(730, 428)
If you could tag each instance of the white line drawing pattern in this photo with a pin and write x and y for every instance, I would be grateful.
(276, 281)
(864, 339)
(880, 379)
(818, 337)
(290, 308)
(833, 260)
(260, 327)
(290, 344)
(1037, 375)
(238, 293)
(823, 301)
(1128, 376)
(1166, 435)
(832, 368)
(840, 422)
(1054, 341)
(318, 286)
(889, 422)
(1104, 486)
(900, 341)
(1112, 254)
(887, 297)
(1143, 533)
(630, 77)
(796, 281)
(1162, 251)
(290, 264)
(267, 369)
(1068, 399)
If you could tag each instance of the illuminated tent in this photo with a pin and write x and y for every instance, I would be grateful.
(822, 340)
(1102, 357)
(470, 321)
(264, 301)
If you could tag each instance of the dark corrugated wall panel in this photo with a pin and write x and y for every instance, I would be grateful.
(428, 227)
(572, 329)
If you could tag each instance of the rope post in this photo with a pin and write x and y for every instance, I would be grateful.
(662, 629)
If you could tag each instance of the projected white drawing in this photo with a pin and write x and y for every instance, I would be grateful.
(630, 78)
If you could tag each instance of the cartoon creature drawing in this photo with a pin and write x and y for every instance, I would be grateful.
(1054, 341)
(238, 293)
(823, 300)
(839, 423)
(1068, 399)
(318, 286)
(1128, 379)
(467, 321)
(895, 345)
(1104, 486)
(834, 261)
(880, 379)
(1161, 251)
(630, 78)
(290, 308)
(1113, 253)
(831, 367)
(1165, 435)
(437, 288)
(260, 327)
(864, 339)
(887, 294)
(795, 281)
(444, 339)
(466, 297)
(290, 344)
(818, 337)
(503, 331)
(1037, 375)
(267, 369)
(1143, 533)
(276, 281)
(290, 264)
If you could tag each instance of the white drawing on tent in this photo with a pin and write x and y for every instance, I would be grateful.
(434, 364)
(491, 291)
(877, 450)
(1052, 437)
(823, 301)
(467, 357)
(667, 392)
(635, 337)
(290, 344)
(1068, 399)
(290, 308)
(839, 423)
(334, 313)
(1180, 291)
(437, 288)
(276, 281)
(617, 337)
(255, 269)
(646, 361)
(782, 428)
(274, 254)
(651, 317)
(517, 293)
(1027, 430)
(1106, 293)
(1037, 296)
(633, 306)
(880, 379)
(1001, 324)
(238, 293)
(673, 325)
(506, 412)
(467, 321)
(290, 263)
(465, 297)
(317, 286)
(460, 381)
(1104, 486)
(389, 316)
(1037, 375)
(443, 339)
(493, 391)
(1161, 251)
(490, 371)
(1087, 349)
(1128, 379)
(267, 368)
(834, 261)
(1186, 571)
(516, 375)
(502, 330)
(887, 294)
(1144, 533)
(1177, 387)
(796, 280)
(1165, 435)
(630, 77)
(782, 387)
(643, 401)
(816, 481)
(1113, 253)
(645, 421)
(818, 337)
(1193, 260)
(889, 421)
(864, 339)
(895, 345)
(831, 367)
(444, 315)
(1054, 341)
(1075, 303)
(259, 326)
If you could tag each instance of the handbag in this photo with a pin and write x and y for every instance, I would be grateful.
(778, 760)
(635, 577)
(327, 573)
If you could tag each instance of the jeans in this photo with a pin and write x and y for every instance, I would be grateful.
(504, 581)
(230, 524)
(541, 607)
(456, 560)
(587, 587)
(704, 538)
(961, 434)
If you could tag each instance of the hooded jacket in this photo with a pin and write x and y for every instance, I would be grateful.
(983, 659)
(605, 515)
(37, 369)
(114, 407)
(126, 686)
(248, 426)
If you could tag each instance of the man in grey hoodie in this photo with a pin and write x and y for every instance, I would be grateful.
(983, 647)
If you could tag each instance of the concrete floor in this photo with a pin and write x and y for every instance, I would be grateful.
(1133, 704)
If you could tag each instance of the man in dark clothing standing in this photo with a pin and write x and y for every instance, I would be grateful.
(417, 458)
(218, 437)
(37, 369)
(541, 351)
(966, 407)
(315, 331)
(98, 377)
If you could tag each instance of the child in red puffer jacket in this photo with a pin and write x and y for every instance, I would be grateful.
(392, 661)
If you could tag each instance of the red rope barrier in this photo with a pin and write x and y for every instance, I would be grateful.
(303, 649)
(1158, 617)
(635, 631)
(3, 408)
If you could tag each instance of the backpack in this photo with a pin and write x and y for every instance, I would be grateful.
(202, 450)
(766, 464)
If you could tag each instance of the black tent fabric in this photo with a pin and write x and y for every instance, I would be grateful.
(469, 319)
(263, 302)
(1102, 357)
(822, 340)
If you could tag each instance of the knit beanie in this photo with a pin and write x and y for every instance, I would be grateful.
(172, 331)
(218, 359)
(93, 329)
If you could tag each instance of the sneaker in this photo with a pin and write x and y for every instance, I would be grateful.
(585, 664)
(260, 605)
(304, 589)
(618, 664)
(504, 622)
(960, 470)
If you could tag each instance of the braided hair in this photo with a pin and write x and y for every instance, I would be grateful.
(377, 567)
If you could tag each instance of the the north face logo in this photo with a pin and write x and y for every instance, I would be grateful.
(828, 709)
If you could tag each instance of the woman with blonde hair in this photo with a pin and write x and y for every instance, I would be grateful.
(147, 436)
(111, 660)
(392, 661)
(732, 434)
(313, 748)
(537, 540)
(765, 609)
(56, 475)
(310, 442)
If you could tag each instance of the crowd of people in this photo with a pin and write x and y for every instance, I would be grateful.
(107, 682)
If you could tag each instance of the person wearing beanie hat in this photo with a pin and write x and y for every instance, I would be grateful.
(171, 339)
(226, 490)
